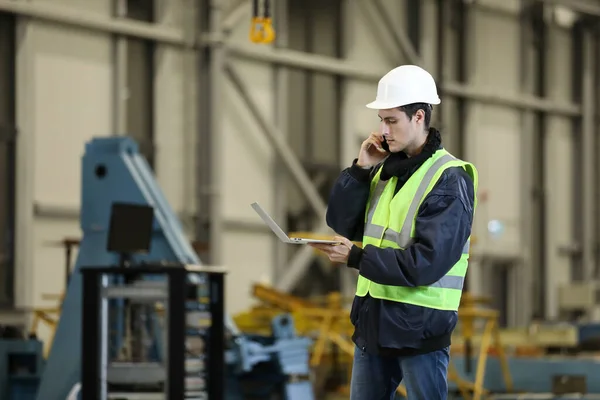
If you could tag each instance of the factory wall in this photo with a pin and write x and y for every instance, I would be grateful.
(64, 97)
(74, 84)
(247, 161)
(206, 138)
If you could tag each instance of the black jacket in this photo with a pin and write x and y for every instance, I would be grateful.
(442, 228)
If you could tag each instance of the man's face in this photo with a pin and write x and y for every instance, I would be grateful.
(399, 131)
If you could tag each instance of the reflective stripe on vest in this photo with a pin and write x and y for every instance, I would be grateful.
(403, 238)
(444, 294)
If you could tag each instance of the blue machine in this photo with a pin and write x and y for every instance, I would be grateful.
(114, 171)
(21, 366)
(287, 352)
(533, 375)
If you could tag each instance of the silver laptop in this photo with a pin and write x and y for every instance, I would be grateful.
(281, 234)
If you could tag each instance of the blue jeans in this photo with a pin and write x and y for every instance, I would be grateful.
(377, 378)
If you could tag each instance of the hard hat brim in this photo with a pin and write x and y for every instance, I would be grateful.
(381, 105)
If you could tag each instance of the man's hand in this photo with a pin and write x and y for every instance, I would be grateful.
(371, 151)
(337, 253)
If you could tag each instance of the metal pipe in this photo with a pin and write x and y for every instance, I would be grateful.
(463, 30)
(588, 155)
(583, 7)
(203, 160)
(86, 20)
(8, 140)
(62, 212)
(440, 26)
(330, 65)
(578, 217)
(283, 149)
(525, 102)
(25, 176)
(245, 226)
(58, 212)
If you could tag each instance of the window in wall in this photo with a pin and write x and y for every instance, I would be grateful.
(7, 157)
(140, 81)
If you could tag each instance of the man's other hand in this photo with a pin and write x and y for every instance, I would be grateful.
(337, 253)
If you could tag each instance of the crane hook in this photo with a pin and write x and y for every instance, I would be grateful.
(261, 26)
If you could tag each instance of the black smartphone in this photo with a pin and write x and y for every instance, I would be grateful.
(384, 145)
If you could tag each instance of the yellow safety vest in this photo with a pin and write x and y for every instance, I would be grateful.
(390, 222)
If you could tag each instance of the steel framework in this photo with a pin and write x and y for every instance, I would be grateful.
(210, 57)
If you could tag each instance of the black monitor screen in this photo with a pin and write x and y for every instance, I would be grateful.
(130, 228)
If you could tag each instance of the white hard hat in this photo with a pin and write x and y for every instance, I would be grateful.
(404, 85)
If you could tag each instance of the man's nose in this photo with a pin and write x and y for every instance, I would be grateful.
(385, 129)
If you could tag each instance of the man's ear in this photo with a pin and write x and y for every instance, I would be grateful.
(419, 116)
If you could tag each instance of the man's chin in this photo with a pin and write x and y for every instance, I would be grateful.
(395, 147)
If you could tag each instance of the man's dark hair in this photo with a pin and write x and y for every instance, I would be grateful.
(411, 109)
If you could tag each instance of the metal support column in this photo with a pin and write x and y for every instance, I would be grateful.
(120, 58)
(460, 22)
(302, 258)
(8, 138)
(588, 153)
(281, 77)
(533, 61)
(217, 65)
(596, 37)
(540, 31)
(580, 220)
(440, 53)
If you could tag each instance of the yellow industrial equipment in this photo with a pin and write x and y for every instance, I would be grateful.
(48, 316)
(469, 313)
(330, 325)
(261, 25)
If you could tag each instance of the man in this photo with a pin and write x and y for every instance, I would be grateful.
(411, 204)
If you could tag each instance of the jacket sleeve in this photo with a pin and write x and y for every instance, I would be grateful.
(348, 201)
(442, 228)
